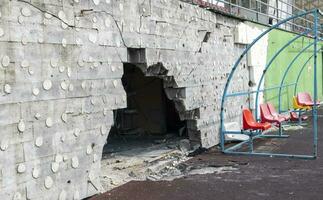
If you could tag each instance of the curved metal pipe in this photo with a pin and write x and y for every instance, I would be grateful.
(300, 73)
(269, 65)
(238, 62)
(287, 70)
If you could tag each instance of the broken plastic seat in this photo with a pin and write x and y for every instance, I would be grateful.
(274, 113)
(305, 99)
(295, 117)
(266, 116)
(249, 122)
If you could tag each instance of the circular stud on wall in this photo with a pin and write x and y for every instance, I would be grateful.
(64, 117)
(37, 116)
(64, 42)
(77, 132)
(71, 87)
(35, 173)
(48, 16)
(5, 61)
(75, 162)
(48, 182)
(21, 19)
(21, 126)
(58, 158)
(49, 122)
(24, 40)
(62, 15)
(61, 69)
(26, 12)
(64, 85)
(62, 195)
(39, 141)
(92, 38)
(55, 167)
(21, 168)
(103, 130)
(4, 144)
(53, 62)
(47, 84)
(96, 2)
(7, 89)
(89, 149)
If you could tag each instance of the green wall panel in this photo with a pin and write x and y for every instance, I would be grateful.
(274, 75)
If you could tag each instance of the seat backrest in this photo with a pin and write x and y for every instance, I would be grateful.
(272, 109)
(265, 113)
(295, 103)
(304, 97)
(247, 118)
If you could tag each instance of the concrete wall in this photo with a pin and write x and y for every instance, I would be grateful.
(60, 79)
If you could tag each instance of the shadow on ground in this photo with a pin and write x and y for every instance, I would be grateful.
(253, 177)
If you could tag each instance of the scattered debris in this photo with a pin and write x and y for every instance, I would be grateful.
(164, 160)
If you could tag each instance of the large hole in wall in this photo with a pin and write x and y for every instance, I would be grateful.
(148, 130)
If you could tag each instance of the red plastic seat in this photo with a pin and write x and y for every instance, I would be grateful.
(249, 122)
(305, 99)
(295, 117)
(266, 116)
(274, 113)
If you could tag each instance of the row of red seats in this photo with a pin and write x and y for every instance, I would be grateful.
(269, 115)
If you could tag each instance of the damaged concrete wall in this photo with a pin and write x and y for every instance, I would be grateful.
(60, 80)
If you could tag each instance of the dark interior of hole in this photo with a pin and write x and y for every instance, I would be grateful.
(149, 116)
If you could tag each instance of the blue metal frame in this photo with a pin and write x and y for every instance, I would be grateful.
(287, 70)
(258, 134)
(300, 73)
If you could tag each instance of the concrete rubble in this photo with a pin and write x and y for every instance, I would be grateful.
(164, 161)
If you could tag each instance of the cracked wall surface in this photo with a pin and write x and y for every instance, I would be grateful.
(61, 63)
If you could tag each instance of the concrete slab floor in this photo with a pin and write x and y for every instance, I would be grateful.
(253, 177)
